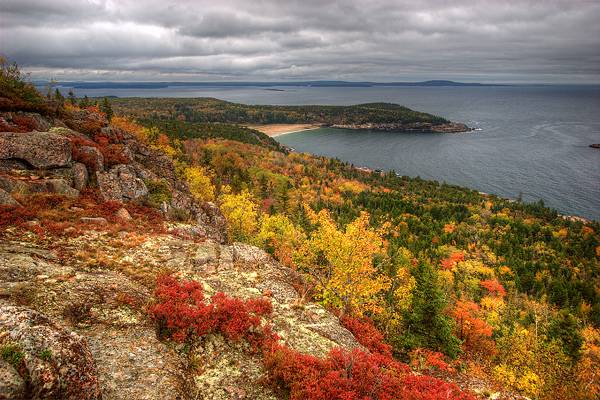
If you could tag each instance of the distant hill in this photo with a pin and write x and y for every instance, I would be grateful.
(162, 85)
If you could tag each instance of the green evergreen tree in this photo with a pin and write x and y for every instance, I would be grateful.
(60, 99)
(564, 329)
(106, 108)
(71, 97)
(85, 102)
(425, 323)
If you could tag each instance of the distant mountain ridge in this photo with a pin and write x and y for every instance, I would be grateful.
(161, 85)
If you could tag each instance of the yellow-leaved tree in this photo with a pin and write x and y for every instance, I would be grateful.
(241, 213)
(340, 263)
(278, 235)
(200, 184)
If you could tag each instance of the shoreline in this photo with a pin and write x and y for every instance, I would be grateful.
(274, 130)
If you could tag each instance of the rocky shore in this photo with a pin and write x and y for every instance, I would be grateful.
(424, 127)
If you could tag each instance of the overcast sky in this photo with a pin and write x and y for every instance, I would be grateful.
(377, 40)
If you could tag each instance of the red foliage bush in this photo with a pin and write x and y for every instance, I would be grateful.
(354, 375)
(86, 158)
(423, 387)
(452, 260)
(368, 335)
(183, 310)
(25, 123)
(494, 287)
(114, 154)
(15, 216)
(424, 359)
(58, 215)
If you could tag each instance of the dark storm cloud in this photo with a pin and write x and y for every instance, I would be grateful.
(539, 41)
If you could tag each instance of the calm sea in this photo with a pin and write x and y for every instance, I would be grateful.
(533, 140)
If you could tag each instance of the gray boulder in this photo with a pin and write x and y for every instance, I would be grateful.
(58, 186)
(40, 149)
(59, 363)
(12, 386)
(121, 184)
(6, 199)
(80, 176)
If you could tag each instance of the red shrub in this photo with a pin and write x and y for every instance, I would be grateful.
(86, 158)
(368, 335)
(450, 262)
(182, 309)
(11, 215)
(424, 359)
(114, 154)
(237, 319)
(494, 287)
(354, 375)
(422, 387)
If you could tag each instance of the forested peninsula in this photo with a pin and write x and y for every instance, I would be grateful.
(371, 116)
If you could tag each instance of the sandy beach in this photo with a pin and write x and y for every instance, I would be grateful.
(274, 130)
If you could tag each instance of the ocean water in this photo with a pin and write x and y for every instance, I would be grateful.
(531, 140)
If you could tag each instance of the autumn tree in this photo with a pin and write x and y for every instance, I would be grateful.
(241, 213)
(278, 235)
(340, 263)
(472, 330)
(200, 183)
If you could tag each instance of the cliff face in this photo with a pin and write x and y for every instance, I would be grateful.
(77, 271)
(66, 157)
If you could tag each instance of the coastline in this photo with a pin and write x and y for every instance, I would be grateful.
(274, 130)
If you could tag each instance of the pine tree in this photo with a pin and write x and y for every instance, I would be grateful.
(60, 99)
(106, 108)
(425, 323)
(72, 98)
(85, 102)
(564, 329)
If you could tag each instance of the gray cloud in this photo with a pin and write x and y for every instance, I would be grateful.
(382, 40)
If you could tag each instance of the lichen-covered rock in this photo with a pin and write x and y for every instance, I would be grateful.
(40, 149)
(80, 176)
(95, 159)
(24, 122)
(85, 121)
(12, 385)
(57, 186)
(12, 164)
(121, 184)
(59, 363)
(6, 199)
(249, 254)
(212, 217)
(12, 185)
(15, 185)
